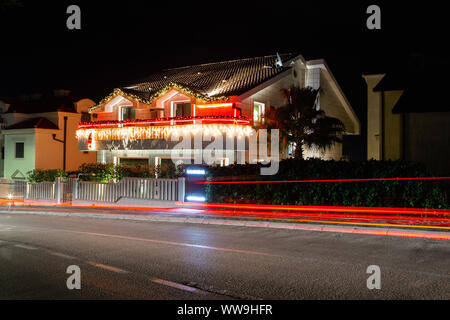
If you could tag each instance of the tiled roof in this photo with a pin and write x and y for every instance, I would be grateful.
(40, 123)
(225, 78)
(47, 103)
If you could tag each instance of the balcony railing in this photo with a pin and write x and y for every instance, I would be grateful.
(239, 120)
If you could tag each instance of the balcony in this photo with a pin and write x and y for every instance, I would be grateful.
(91, 134)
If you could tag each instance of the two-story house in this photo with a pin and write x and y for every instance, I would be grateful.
(38, 132)
(135, 123)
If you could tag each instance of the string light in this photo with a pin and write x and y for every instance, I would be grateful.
(226, 119)
(160, 132)
(171, 85)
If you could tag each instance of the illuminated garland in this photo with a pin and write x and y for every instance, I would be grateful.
(161, 132)
(183, 89)
(116, 93)
(171, 85)
(227, 119)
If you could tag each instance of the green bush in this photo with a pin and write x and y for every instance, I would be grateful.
(98, 172)
(39, 175)
(108, 172)
(401, 193)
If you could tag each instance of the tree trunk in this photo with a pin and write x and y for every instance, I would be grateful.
(298, 150)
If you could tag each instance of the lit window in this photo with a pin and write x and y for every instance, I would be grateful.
(20, 150)
(291, 148)
(258, 112)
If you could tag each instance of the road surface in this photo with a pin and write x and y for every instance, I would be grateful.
(123, 259)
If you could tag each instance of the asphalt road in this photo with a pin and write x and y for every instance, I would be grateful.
(125, 259)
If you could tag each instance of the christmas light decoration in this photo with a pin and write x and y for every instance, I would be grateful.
(115, 93)
(219, 119)
(171, 85)
(159, 132)
(215, 105)
(162, 128)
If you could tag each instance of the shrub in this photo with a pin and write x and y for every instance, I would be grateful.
(108, 172)
(98, 172)
(402, 193)
(40, 175)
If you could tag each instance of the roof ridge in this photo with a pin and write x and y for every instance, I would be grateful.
(227, 61)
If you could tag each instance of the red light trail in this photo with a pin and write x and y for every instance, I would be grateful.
(422, 211)
(325, 180)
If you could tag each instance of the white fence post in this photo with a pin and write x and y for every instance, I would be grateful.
(59, 190)
(26, 190)
(75, 189)
(181, 189)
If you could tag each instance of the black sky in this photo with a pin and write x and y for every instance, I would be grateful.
(121, 42)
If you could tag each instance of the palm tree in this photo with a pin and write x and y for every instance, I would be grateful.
(302, 124)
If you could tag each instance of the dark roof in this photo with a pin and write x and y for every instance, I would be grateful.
(391, 81)
(416, 100)
(225, 78)
(41, 123)
(423, 90)
(42, 103)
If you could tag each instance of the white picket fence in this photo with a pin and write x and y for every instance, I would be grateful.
(41, 191)
(129, 188)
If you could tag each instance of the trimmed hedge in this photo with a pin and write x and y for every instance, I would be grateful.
(403, 193)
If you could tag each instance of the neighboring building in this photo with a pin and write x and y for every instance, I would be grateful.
(134, 123)
(407, 119)
(32, 133)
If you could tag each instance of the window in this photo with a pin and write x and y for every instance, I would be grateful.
(258, 112)
(127, 113)
(183, 109)
(134, 161)
(85, 117)
(20, 150)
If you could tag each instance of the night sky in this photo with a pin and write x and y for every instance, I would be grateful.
(119, 43)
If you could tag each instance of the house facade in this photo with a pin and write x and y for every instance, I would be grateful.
(34, 130)
(142, 122)
(403, 123)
